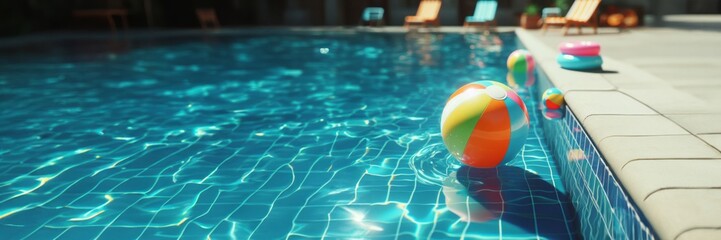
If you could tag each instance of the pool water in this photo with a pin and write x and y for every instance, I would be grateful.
(260, 135)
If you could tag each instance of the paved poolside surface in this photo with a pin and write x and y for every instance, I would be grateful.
(655, 114)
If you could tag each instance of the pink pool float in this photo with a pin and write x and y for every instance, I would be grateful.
(580, 48)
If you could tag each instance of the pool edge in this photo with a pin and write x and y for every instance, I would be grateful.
(582, 88)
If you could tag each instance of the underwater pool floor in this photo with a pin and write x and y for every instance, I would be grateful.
(260, 136)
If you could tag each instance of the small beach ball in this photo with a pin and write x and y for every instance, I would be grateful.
(552, 98)
(484, 123)
(520, 61)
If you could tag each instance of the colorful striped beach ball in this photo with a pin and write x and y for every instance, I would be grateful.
(520, 62)
(552, 98)
(484, 123)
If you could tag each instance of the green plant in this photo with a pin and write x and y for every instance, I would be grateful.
(531, 10)
(563, 5)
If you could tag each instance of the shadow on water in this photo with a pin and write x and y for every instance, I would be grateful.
(514, 195)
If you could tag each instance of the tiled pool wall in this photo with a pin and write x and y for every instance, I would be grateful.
(603, 208)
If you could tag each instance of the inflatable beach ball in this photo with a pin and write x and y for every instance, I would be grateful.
(520, 61)
(552, 98)
(484, 123)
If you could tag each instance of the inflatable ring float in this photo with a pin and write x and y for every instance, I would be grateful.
(580, 48)
(579, 62)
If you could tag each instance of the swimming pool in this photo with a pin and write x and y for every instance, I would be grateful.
(260, 135)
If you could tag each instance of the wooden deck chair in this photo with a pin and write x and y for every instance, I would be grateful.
(485, 14)
(427, 14)
(108, 14)
(581, 13)
(106, 10)
(207, 18)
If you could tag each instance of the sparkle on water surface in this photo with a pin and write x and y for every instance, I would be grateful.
(261, 136)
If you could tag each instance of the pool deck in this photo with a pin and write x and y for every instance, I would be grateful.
(654, 113)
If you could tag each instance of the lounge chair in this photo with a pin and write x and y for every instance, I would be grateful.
(207, 18)
(581, 13)
(427, 14)
(106, 10)
(550, 12)
(373, 16)
(485, 14)
(108, 14)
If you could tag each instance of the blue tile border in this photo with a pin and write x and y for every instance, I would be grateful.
(604, 210)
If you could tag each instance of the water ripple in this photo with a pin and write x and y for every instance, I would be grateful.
(432, 164)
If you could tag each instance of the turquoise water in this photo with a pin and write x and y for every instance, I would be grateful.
(260, 136)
